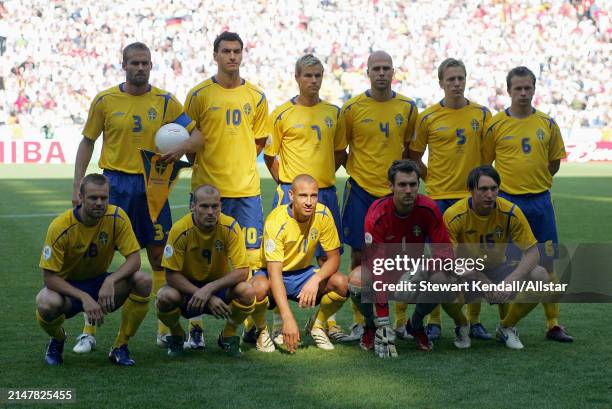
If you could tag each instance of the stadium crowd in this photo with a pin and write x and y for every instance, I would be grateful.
(56, 55)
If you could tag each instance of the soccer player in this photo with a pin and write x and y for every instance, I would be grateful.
(379, 126)
(78, 250)
(452, 129)
(128, 115)
(308, 138)
(527, 148)
(404, 217)
(232, 114)
(206, 271)
(291, 235)
(484, 219)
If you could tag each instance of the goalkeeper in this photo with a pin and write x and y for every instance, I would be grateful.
(404, 217)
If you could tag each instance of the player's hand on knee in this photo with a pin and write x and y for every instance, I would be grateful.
(106, 296)
(94, 312)
(219, 308)
(291, 334)
(308, 295)
(199, 299)
(384, 341)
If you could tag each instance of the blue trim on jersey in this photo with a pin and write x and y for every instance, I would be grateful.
(279, 117)
(183, 120)
(167, 98)
(263, 97)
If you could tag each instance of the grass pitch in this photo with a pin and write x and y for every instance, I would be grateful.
(543, 375)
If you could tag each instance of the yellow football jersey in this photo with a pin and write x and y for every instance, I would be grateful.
(230, 120)
(305, 138)
(205, 256)
(454, 138)
(294, 244)
(376, 133)
(79, 252)
(129, 122)
(521, 149)
(488, 235)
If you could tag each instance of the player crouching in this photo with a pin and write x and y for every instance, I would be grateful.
(200, 248)
(78, 250)
(291, 235)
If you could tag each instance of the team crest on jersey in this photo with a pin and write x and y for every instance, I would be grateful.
(103, 238)
(46, 252)
(160, 167)
(416, 230)
(475, 125)
(168, 251)
(247, 109)
(499, 232)
(270, 246)
(152, 114)
(399, 119)
(219, 246)
(328, 122)
(540, 134)
(313, 234)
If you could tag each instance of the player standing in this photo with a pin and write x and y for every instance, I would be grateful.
(452, 129)
(379, 126)
(527, 148)
(78, 250)
(128, 115)
(308, 138)
(232, 114)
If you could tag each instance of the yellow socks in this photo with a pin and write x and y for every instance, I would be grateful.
(515, 313)
(473, 311)
(258, 317)
(133, 313)
(237, 317)
(53, 328)
(551, 310)
(88, 328)
(455, 311)
(357, 315)
(172, 320)
(330, 304)
(159, 280)
(434, 316)
(400, 314)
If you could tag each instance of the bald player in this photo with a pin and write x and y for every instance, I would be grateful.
(379, 126)
(291, 235)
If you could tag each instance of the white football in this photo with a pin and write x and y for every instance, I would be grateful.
(169, 136)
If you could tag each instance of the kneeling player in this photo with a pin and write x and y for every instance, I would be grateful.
(201, 246)
(404, 217)
(486, 224)
(79, 247)
(291, 235)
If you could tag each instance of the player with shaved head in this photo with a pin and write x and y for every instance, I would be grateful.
(379, 126)
(206, 270)
(291, 235)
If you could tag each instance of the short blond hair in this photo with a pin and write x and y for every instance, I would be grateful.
(307, 60)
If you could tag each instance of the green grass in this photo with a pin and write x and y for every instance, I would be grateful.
(543, 375)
